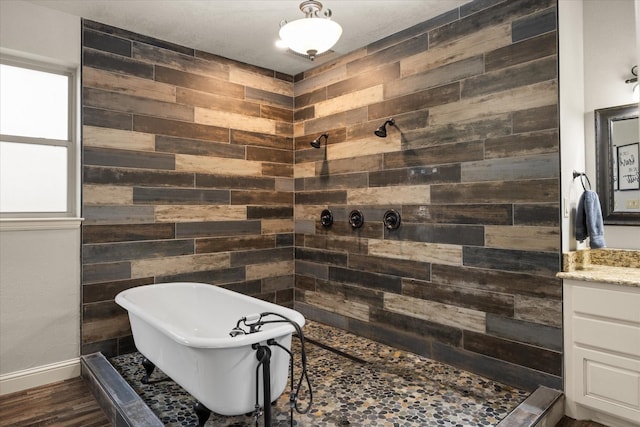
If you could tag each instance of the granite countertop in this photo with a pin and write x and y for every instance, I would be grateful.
(613, 266)
(603, 273)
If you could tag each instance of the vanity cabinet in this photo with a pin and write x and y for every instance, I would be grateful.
(602, 352)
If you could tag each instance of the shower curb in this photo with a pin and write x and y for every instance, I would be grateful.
(120, 403)
(543, 408)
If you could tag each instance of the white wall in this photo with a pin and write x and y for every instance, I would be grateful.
(40, 301)
(39, 261)
(610, 52)
(597, 49)
(571, 105)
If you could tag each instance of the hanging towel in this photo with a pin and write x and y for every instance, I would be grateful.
(589, 220)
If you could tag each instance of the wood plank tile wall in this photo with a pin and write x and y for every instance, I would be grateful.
(472, 166)
(187, 176)
(199, 168)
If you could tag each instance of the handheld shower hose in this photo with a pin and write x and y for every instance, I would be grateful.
(254, 322)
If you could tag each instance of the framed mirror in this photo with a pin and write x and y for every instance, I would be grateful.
(617, 164)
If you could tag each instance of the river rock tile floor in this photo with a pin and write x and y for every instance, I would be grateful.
(356, 382)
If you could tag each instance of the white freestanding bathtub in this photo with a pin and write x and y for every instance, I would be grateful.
(183, 328)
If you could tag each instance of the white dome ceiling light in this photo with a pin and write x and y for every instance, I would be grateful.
(312, 35)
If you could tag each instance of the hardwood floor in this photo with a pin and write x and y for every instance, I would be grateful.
(67, 403)
(570, 422)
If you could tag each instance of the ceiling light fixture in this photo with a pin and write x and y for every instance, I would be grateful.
(311, 35)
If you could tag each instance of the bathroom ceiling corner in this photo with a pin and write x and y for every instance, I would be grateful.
(246, 30)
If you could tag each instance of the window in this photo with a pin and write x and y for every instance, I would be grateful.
(37, 144)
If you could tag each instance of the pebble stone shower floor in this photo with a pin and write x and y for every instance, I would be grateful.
(356, 382)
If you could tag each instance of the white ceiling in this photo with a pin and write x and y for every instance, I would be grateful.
(246, 30)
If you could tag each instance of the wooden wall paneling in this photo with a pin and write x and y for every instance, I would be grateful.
(108, 290)
(532, 333)
(129, 85)
(388, 55)
(438, 76)
(468, 278)
(483, 40)
(213, 276)
(541, 263)
(127, 251)
(128, 232)
(114, 138)
(95, 156)
(164, 266)
(129, 177)
(522, 51)
(508, 78)
(488, 302)
(179, 144)
(198, 147)
(513, 283)
(106, 42)
(135, 104)
(434, 253)
(537, 214)
(105, 272)
(104, 118)
(398, 267)
(491, 16)
(116, 63)
(383, 74)
(518, 168)
(474, 175)
(439, 233)
(537, 23)
(496, 214)
(107, 195)
(474, 130)
(519, 376)
(524, 144)
(422, 175)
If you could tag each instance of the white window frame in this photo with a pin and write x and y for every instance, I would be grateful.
(72, 208)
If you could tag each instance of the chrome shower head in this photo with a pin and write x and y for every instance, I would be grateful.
(382, 130)
(316, 142)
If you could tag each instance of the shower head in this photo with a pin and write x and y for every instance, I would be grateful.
(316, 142)
(382, 130)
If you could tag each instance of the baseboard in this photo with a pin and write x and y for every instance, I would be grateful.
(41, 375)
(580, 412)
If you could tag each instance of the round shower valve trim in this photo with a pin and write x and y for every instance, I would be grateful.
(326, 218)
(356, 218)
(391, 219)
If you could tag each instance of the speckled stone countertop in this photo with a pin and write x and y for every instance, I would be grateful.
(614, 266)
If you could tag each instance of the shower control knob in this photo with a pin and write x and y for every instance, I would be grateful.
(391, 219)
(326, 218)
(356, 219)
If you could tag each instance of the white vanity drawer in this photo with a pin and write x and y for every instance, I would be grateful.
(607, 334)
(613, 304)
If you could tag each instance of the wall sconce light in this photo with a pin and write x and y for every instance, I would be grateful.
(311, 35)
(382, 130)
(316, 142)
(634, 80)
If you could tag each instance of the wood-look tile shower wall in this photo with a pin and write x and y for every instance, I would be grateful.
(187, 176)
(473, 168)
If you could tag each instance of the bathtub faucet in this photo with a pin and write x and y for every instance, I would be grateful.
(253, 321)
